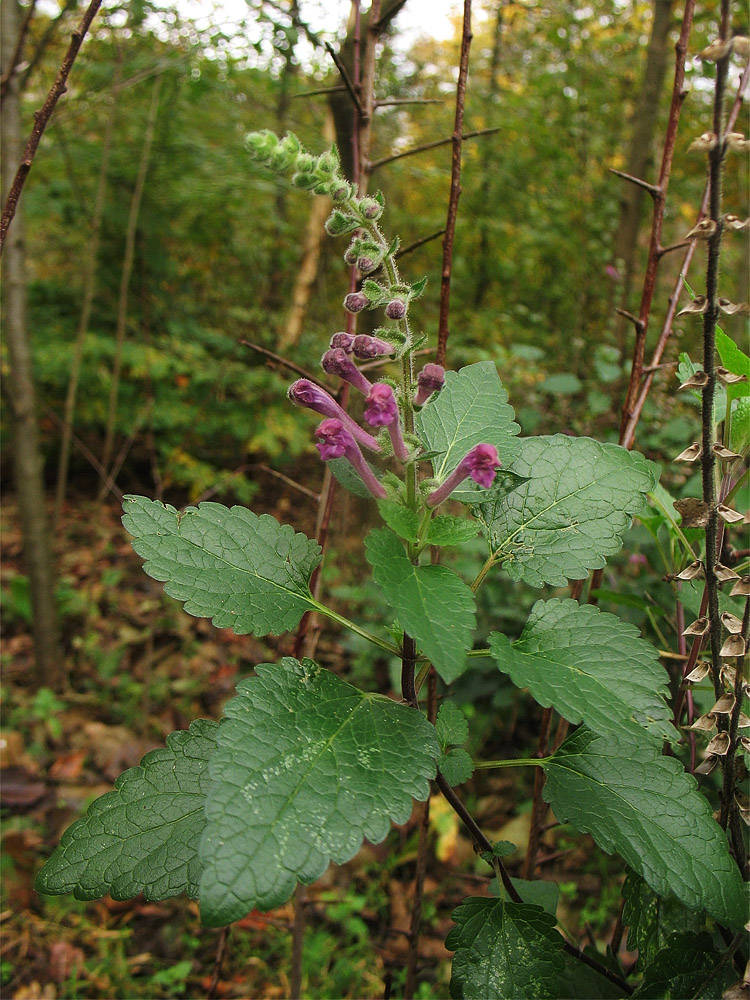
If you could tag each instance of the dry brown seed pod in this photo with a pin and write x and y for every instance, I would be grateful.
(691, 454)
(719, 744)
(705, 724)
(734, 645)
(731, 622)
(736, 223)
(717, 50)
(745, 741)
(728, 515)
(727, 675)
(733, 309)
(737, 142)
(694, 571)
(697, 381)
(702, 230)
(704, 142)
(698, 305)
(699, 627)
(724, 705)
(724, 573)
(744, 721)
(699, 672)
(725, 454)
(694, 512)
(741, 588)
(741, 47)
(708, 765)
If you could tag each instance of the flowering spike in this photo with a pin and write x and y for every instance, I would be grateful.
(480, 464)
(336, 442)
(430, 379)
(382, 411)
(337, 362)
(303, 392)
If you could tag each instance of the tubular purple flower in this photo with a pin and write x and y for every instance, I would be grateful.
(480, 463)
(366, 347)
(337, 442)
(337, 362)
(303, 392)
(382, 411)
(355, 302)
(430, 379)
(344, 341)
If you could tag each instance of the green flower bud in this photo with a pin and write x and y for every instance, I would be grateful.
(304, 181)
(370, 208)
(328, 162)
(305, 163)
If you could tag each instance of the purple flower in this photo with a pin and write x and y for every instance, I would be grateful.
(344, 341)
(366, 347)
(430, 379)
(396, 309)
(336, 442)
(303, 392)
(337, 362)
(480, 464)
(381, 411)
(355, 302)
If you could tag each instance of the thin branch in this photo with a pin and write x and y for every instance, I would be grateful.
(455, 192)
(376, 164)
(322, 90)
(652, 189)
(345, 77)
(539, 807)
(280, 360)
(44, 41)
(419, 243)
(390, 101)
(15, 59)
(663, 251)
(41, 118)
(221, 947)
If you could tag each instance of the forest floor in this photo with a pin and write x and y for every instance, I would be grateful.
(136, 668)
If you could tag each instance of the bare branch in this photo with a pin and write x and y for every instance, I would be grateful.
(345, 77)
(15, 59)
(651, 188)
(375, 164)
(419, 243)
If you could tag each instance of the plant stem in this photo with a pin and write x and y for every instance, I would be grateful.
(519, 762)
(341, 620)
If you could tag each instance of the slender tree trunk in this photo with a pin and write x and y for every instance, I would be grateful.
(89, 287)
(639, 157)
(127, 270)
(27, 455)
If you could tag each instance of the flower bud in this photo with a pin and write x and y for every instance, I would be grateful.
(328, 162)
(341, 191)
(367, 265)
(304, 181)
(370, 208)
(343, 341)
(303, 392)
(396, 309)
(430, 379)
(480, 464)
(305, 163)
(337, 362)
(337, 442)
(366, 347)
(355, 302)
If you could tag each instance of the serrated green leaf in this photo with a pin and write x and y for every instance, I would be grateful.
(581, 982)
(447, 530)
(451, 725)
(246, 572)
(740, 435)
(346, 475)
(433, 604)
(590, 667)
(579, 500)
(417, 288)
(642, 805)
(539, 892)
(731, 356)
(306, 766)
(400, 519)
(144, 835)
(504, 950)
(684, 968)
(472, 408)
(650, 918)
(456, 766)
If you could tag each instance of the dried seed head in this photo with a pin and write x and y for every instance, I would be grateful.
(698, 305)
(702, 230)
(743, 804)
(716, 50)
(724, 573)
(745, 742)
(705, 724)
(734, 645)
(741, 46)
(733, 309)
(699, 671)
(731, 623)
(727, 675)
(736, 223)
(699, 627)
(694, 571)
(694, 512)
(743, 722)
(719, 744)
(737, 142)
(728, 515)
(697, 381)
(691, 454)
(741, 587)
(725, 454)
(708, 765)
(704, 142)
(724, 705)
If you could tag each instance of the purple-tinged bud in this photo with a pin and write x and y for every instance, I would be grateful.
(337, 362)
(367, 265)
(337, 442)
(430, 379)
(350, 256)
(381, 409)
(480, 464)
(303, 392)
(341, 191)
(367, 347)
(355, 302)
(370, 208)
(343, 341)
(396, 309)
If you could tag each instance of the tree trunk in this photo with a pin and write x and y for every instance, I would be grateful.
(638, 161)
(27, 455)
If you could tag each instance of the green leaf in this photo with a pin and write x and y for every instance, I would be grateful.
(581, 982)
(472, 408)
(740, 436)
(561, 384)
(642, 805)
(683, 968)
(144, 835)
(306, 767)
(456, 766)
(579, 500)
(538, 892)
(590, 667)
(732, 357)
(447, 530)
(652, 918)
(451, 725)
(344, 473)
(245, 572)
(433, 604)
(400, 519)
(504, 950)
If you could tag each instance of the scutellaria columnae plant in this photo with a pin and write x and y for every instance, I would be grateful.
(304, 766)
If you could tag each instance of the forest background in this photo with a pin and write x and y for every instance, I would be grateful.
(167, 279)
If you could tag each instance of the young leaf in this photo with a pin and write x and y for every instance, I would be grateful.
(590, 667)
(447, 530)
(472, 408)
(504, 950)
(245, 572)
(579, 499)
(400, 519)
(144, 835)
(306, 767)
(642, 805)
(456, 766)
(685, 967)
(451, 725)
(433, 604)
